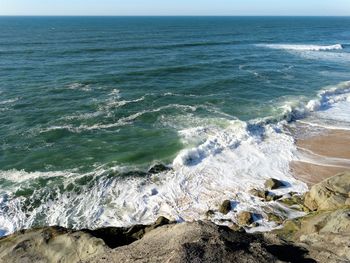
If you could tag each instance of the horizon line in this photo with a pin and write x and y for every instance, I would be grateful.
(59, 15)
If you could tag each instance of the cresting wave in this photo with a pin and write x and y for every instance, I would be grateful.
(302, 47)
(220, 162)
(298, 108)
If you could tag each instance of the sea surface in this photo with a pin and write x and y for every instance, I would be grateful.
(89, 104)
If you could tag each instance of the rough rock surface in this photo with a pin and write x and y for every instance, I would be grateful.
(265, 195)
(183, 242)
(225, 207)
(245, 218)
(49, 244)
(202, 242)
(273, 183)
(326, 231)
(329, 194)
(325, 234)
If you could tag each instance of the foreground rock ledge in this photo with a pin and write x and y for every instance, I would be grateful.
(184, 242)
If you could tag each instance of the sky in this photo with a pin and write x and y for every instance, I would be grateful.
(176, 7)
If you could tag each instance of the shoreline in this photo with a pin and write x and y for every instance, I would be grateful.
(321, 155)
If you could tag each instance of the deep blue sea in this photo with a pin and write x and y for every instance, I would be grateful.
(89, 104)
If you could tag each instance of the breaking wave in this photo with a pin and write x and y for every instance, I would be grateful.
(302, 47)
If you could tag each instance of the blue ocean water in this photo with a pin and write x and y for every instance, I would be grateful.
(86, 100)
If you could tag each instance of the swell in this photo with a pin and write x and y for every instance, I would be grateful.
(144, 47)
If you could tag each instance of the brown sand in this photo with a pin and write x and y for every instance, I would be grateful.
(331, 144)
(313, 173)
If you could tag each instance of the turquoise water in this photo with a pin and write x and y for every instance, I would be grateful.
(81, 94)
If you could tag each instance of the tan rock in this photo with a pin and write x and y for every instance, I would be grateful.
(50, 244)
(245, 218)
(330, 194)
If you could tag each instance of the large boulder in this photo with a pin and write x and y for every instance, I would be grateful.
(330, 194)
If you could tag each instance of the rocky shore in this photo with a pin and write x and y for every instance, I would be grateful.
(322, 235)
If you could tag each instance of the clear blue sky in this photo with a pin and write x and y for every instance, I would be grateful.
(175, 7)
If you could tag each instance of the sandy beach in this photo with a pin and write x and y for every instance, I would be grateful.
(322, 155)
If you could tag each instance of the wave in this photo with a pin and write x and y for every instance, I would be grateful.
(221, 161)
(9, 101)
(128, 120)
(227, 164)
(302, 47)
(299, 108)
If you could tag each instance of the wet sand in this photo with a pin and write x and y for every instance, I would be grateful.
(322, 156)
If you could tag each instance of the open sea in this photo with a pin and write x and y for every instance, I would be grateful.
(89, 104)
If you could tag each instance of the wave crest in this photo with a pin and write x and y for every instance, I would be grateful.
(299, 47)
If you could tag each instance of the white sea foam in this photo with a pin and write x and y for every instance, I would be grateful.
(19, 176)
(301, 47)
(114, 103)
(121, 122)
(79, 86)
(9, 101)
(295, 108)
(226, 164)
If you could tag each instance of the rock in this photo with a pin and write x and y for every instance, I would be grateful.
(161, 221)
(264, 194)
(225, 207)
(202, 242)
(295, 201)
(325, 234)
(330, 194)
(174, 243)
(274, 218)
(245, 218)
(273, 183)
(259, 193)
(49, 244)
(158, 168)
(210, 213)
(236, 227)
(121, 236)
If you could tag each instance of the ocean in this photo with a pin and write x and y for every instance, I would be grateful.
(89, 104)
